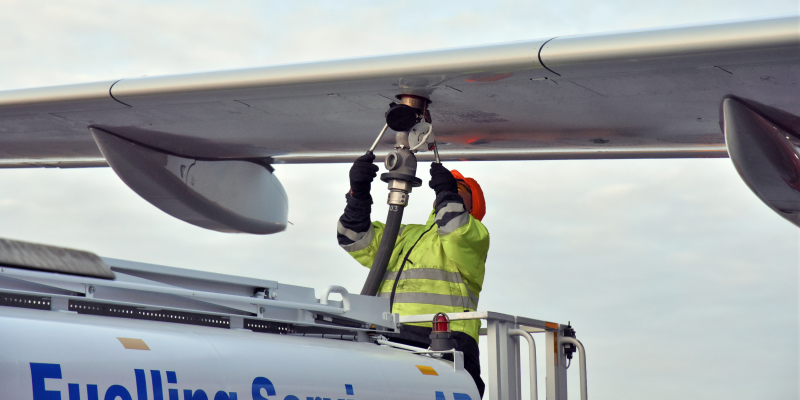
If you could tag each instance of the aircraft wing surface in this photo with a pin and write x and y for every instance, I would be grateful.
(637, 94)
(201, 147)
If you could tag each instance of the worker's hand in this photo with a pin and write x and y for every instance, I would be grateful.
(362, 173)
(441, 179)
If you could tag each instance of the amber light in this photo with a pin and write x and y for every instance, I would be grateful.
(441, 323)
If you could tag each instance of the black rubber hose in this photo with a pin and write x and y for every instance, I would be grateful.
(385, 249)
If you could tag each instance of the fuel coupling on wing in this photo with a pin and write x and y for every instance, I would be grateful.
(412, 122)
(412, 135)
(411, 110)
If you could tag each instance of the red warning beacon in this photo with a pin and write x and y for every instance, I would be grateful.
(441, 323)
(440, 333)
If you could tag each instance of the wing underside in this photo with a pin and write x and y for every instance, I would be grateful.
(641, 94)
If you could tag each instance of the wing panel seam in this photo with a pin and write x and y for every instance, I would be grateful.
(539, 55)
(112, 94)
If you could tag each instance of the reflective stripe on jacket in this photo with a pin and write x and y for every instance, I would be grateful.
(445, 266)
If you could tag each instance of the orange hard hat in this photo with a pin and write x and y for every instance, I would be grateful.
(478, 201)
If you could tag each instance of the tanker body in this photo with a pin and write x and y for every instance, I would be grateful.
(74, 326)
(55, 355)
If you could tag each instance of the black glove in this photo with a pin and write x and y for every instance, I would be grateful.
(442, 180)
(362, 173)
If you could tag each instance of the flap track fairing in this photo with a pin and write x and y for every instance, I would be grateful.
(764, 152)
(239, 196)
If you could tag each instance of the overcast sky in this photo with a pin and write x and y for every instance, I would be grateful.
(678, 280)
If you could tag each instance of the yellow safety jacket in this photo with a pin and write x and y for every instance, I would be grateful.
(444, 270)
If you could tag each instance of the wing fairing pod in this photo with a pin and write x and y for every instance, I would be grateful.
(764, 152)
(238, 196)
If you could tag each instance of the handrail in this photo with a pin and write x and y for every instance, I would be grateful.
(400, 345)
(504, 371)
(458, 356)
(531, 361)
(577, 343)
(173, 290)
(323, 298)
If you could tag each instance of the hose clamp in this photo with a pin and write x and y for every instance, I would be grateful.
(398, 198)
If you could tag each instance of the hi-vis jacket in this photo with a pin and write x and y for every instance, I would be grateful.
(443, 261)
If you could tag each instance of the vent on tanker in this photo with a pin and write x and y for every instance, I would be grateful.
(115, 310)
(22, 301)
(298, 330)
(268, 327)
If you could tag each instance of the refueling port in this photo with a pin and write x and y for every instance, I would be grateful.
(401, 117)
(411, 110)
(420, 103)
(401, 178)
(404, 118)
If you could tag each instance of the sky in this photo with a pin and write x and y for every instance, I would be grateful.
(677, 279)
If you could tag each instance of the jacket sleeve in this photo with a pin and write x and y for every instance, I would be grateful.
(450, 212)
(356, 233)
(465, 240)
(468, 247)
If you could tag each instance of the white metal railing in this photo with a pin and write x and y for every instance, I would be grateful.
(579, 345)
(323, 298)
(531, 360)
(502, 333)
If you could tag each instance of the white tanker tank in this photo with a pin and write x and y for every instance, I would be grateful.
(74, 326)
(54, 355)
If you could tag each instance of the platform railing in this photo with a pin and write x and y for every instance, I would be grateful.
(502, 334)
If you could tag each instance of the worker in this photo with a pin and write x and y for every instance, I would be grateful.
(436, 267)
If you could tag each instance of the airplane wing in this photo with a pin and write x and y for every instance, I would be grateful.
(639, 94)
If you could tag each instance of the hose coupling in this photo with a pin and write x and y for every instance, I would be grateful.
(398, 198)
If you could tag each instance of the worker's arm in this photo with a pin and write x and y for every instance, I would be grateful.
(449, 207)
(465, 240)
(468, 247)
(355, 231)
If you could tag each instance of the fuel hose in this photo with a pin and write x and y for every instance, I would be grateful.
(402, 167)
(385, 249)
